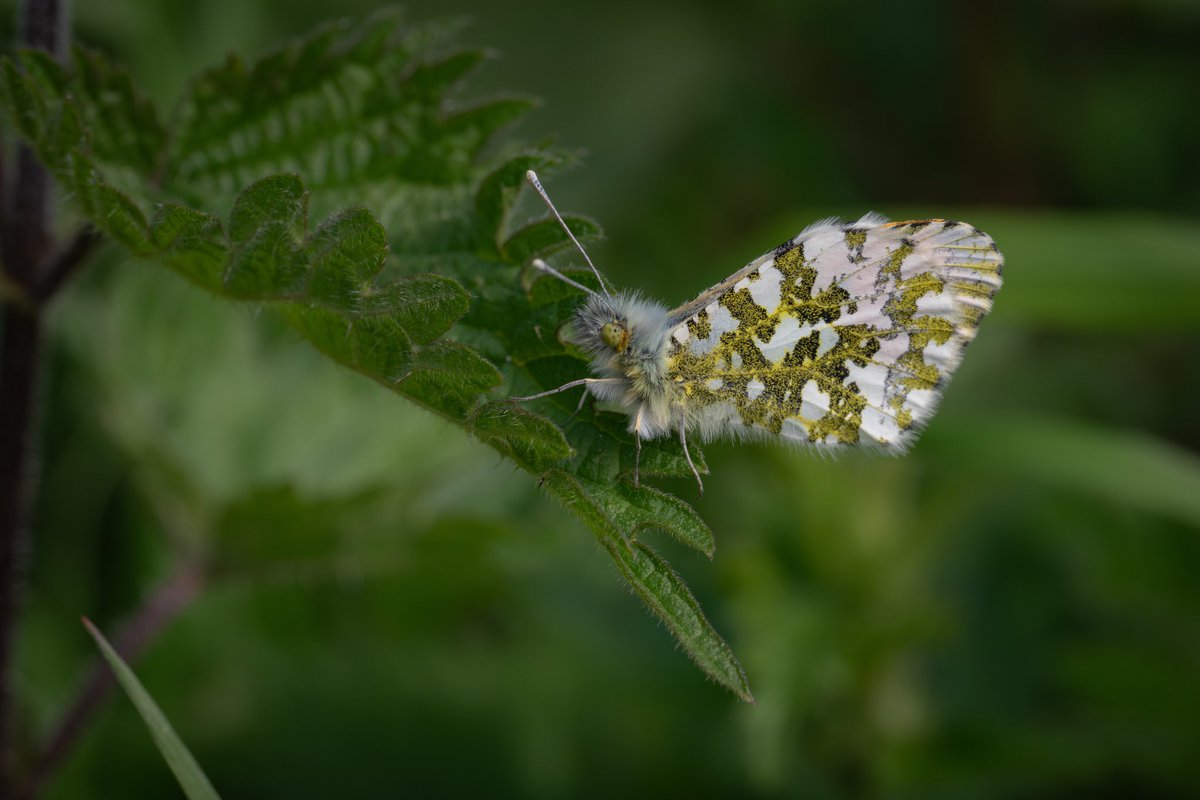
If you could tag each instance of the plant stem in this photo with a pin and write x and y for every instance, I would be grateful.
(44, 25)
(82, 245)
(151, 618)
(24, 247)
(19, 357)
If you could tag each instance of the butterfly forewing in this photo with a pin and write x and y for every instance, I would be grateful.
(844, 335)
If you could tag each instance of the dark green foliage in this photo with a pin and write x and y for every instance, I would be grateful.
(244, 194)
(1009, 611)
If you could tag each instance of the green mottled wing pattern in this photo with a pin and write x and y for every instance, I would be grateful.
(846, 334)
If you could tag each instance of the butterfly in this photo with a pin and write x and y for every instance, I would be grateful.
(842, 336)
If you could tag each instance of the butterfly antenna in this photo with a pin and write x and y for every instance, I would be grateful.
(532, 177)
(549, 270)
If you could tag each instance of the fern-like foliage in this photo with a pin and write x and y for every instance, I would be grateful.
(338, 181)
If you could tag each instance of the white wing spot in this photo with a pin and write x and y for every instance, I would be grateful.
(765, 291)
(828, 338)
(787, 333)
(870, 379)
(879, 426)
(813, 402)
(720, 319)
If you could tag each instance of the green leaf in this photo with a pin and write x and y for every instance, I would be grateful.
(528, 439)
(668, 597)
(110, 211)
(280, 200)
(548, 289)
(425, 305)
(123, 125)
(431, 81)
(471, 128)
(266, 231)
(364, 115)
(655, 583)
(21, 103)
(360, 110)
(191, 778)
(193, 243)
(599, 466)
(606, 452)
(449, 377)
(60, 125)
(92, 111)
(344, 256)
(659, 457)
(375, 346)
(545, 236)
(497, 193)
(647, 508)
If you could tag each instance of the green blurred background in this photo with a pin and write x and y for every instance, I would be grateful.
(1010, 611)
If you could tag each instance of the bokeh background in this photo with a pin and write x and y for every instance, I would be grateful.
(1010, 611)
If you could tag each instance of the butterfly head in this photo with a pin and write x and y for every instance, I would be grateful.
(621, 335)
(601, 328)
(615, 334)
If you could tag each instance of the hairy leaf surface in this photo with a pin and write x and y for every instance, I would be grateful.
(341, 181)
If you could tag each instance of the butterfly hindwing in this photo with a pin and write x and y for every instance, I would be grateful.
(846, 334)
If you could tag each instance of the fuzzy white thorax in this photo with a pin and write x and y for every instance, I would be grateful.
(641, 387)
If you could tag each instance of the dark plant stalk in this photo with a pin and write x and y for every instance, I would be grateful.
(19, 356)
(25, 245)
(139, 631)
(65, 264)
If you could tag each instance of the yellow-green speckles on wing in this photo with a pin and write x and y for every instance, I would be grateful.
(699, 326)
(853, 342)
(855, 239)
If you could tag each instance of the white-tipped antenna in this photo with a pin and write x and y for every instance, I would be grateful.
(544, 267)
(532, 177)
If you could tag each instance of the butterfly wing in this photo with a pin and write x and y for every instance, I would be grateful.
(846, 334)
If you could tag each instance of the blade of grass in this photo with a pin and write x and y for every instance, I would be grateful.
(191, 778)
(1115, 466)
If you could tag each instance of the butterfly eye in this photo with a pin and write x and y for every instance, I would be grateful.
(614, 335)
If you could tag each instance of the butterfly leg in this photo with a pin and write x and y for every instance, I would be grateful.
(637, 441)
(688, 456)
(582, 399)
(565, 387)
